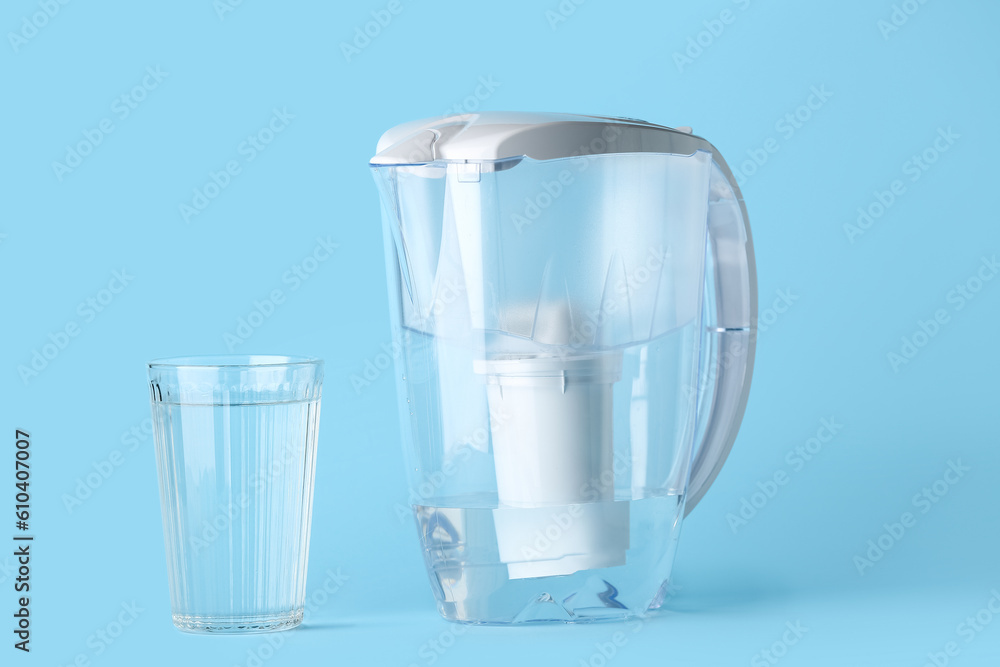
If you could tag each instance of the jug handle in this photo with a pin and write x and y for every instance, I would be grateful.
(730, 329)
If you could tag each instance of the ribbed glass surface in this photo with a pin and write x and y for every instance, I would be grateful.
(236, 452)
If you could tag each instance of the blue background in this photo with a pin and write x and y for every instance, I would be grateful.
(825, 356)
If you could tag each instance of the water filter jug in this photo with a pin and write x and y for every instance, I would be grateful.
(574, 299)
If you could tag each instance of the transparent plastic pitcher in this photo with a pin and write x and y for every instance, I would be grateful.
(575, 300)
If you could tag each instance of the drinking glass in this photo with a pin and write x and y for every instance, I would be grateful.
(236, 451)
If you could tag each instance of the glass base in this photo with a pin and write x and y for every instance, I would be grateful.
(237, 625)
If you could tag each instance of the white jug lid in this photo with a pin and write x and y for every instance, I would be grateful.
(500, 135)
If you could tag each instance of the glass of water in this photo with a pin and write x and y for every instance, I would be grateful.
(236, 452)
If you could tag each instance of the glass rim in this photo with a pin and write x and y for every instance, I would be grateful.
(209, 361)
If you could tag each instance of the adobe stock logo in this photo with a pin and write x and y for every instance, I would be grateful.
(704, 39)
(796, 459)
(250, 148)
(101, 471)
(925, 500)
(87, 311)
(793, 633)
(901, 13)
(363, 35)
(295, 277)
(549, 192)
(786, 126)
(914, 168)
(37, 21)
(959, 297)
(122, 107)
(485, 88)
(967, 630)
(561, 13)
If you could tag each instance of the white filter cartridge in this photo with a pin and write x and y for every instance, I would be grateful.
(553, 451)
